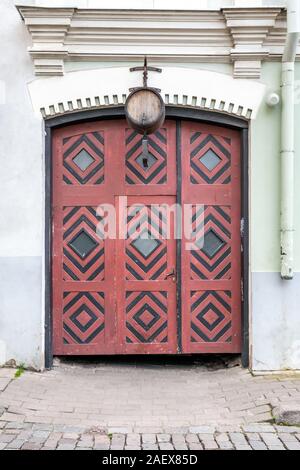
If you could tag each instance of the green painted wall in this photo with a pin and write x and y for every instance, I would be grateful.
(265, 180)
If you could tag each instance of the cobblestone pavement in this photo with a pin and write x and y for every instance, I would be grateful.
(114, 405)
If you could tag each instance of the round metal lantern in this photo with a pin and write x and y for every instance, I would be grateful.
(145, 110)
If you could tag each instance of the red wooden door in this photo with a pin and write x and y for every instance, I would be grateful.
(112, 295)
(211, 267)
(118, 295)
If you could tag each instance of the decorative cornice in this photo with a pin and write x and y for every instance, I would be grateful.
(249, 28)
(242, 36)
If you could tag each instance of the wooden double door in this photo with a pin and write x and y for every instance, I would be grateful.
(146, 247)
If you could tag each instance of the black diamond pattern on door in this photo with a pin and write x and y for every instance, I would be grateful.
(83, 317)
(146, 317)
(212, 243)
(210, 257)
(210, 158)
(211, 316)
(146, 244)
(83, 159)
(150, 170)
(83, 245)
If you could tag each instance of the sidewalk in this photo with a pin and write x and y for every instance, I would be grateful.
(149, 405)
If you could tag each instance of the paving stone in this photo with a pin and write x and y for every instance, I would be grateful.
(258, 445)
(207, 437)
(101, 439)
(287, 437)
(133, 439)
(253, 436)
(202, 429)
(70, 435)
(15, 444)
(126, 400)
(163, 437)
(49, 446)
(178, 438)
(238, 438)
(195, 446)
(119, 430)
(258, 428)
(11, 417)
(287, 413)
(150, 446)
(165, 446)
(17, 425)
(270, 439)
(175, 429)
(15, 432)
(147, 429)
(40, 427)
(276, 448)
(101, 446)
(292, 445)
(210, 445)
(4, 383)
(287, 429)
(180, 446)
(242, 447)
(222, 437)
(64, 441)
(66, 447)
(31, 446)
(148, 439)
(7, 437)
(118, 440)
(85, 444)
(192, 438)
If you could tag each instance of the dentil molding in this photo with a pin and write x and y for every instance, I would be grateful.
(90, 89)
(242, 36)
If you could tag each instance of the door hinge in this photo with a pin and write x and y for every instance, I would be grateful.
(242, 290)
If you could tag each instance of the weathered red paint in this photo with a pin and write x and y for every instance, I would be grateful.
(211, 288)
(112, 299)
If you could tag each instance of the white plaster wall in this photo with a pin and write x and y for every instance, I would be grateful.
(178, 85)
(150, 4)
(21, 200)
(276, 322)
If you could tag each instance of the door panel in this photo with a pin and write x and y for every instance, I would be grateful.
(119, 295)
(211, 271)
(109, 297)
(146, 293)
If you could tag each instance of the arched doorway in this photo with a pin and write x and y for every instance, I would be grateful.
(147, 295)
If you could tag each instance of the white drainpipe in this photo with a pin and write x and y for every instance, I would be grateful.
(288, 139)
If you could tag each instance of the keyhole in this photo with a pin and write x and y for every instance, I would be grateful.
(145, 162)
